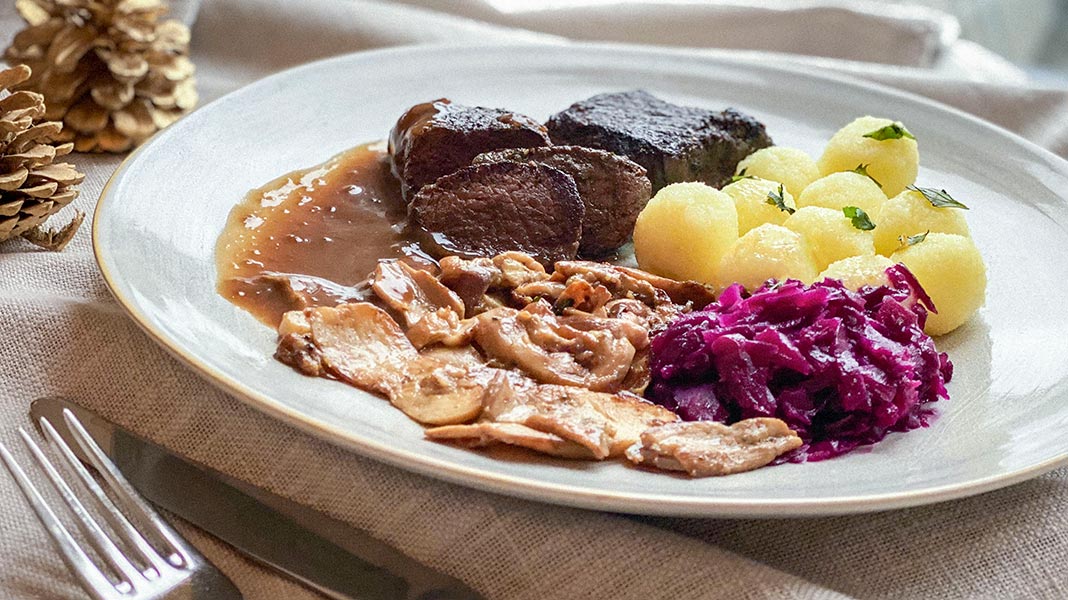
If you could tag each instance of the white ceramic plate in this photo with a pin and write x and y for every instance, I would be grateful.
(157, 222)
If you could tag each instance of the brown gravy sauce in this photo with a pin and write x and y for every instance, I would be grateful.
(323, 228)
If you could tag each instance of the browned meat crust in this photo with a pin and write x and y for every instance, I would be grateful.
(483, 210)
(436, 138)
(674, 143)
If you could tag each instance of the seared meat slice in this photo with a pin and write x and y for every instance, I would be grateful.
(674, 143)
(431, 312)
(703, 448)
(484, 210)
(606, 424)
(486, 433)
(362, 345)
(436, 138)
(554, 351)
(613, 188)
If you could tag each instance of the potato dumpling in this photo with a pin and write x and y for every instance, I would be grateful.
(684, 231)
(791, 167)
(839, 190)
(892, 162)
(856, 272)
(950, 269)
(830, 234)
(909, 213)
(767, 252)
(751, 199)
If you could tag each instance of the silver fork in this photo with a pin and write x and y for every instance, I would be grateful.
(136, 569)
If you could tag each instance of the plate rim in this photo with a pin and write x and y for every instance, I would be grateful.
(537, 489)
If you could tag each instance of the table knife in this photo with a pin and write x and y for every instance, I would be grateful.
(324, 553)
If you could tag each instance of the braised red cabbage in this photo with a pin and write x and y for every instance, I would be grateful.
(842, 368)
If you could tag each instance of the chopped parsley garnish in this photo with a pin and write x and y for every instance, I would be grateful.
(863, 170)
(937, 198)
(740, 176)
(860, 219)
(893, 131)
(775, 198)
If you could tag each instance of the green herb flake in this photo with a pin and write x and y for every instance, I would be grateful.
(740, 176)
(860, 219)
(863, 170)
(893, 131)
(937, 198)
(776, 199)
(912, 240)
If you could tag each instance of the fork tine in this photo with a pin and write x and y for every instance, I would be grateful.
(92, 580)
(88, 525)
(125, 494)
(122, 526)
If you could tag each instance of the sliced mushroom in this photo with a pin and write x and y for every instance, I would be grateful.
(704, 448)
(431, 312)
(478, 435)
(362, 345)
(605, 424)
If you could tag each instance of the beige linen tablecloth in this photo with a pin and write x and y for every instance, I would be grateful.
(63, 334)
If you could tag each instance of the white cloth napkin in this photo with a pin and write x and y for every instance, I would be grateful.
(63, 334)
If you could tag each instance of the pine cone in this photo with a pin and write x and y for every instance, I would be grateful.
(109, 69)
(32, 187)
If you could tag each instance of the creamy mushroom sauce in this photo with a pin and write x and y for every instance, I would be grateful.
(333, 221)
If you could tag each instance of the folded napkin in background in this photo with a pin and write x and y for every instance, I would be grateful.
(66, 336)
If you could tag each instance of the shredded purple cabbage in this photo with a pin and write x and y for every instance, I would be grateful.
(842, 368)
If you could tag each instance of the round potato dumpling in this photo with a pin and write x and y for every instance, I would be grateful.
(791, 167)
(892, 162)
(684, 231)
(839, 190)
(856, 272)
(910, 213)
(951, 271)
(751, 197)
(830, 234)
(767, 252)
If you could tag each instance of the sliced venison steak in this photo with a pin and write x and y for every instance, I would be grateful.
(436, 138)
(487, 209)
(674, 143)
(613, 188)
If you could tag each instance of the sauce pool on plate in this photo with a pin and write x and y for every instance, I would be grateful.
(319, 231)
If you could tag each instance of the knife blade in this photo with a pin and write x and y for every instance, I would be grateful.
(324, 553)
